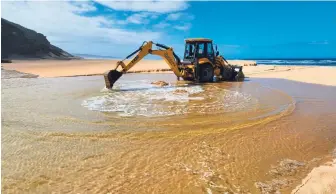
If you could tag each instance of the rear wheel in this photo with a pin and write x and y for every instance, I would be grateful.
(206, 73)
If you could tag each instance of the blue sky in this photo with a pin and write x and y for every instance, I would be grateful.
(241, 29)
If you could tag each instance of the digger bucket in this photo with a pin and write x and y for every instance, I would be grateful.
(111, 77)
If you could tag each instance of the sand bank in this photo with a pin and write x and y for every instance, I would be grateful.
(320, 180)
(309, 74)
(52, 68)
(57, 68)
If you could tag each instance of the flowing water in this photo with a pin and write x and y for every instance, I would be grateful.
(72, 135)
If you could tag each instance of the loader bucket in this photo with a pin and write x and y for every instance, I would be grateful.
(111, 77)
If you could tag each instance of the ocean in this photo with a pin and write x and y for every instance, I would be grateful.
(313, 62)
(304, 62)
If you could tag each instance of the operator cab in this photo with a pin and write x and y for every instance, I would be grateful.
(196, 48)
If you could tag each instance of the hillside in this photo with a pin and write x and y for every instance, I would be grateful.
(18, 42)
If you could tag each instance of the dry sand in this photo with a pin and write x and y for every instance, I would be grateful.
(320, 180)
(310, 74)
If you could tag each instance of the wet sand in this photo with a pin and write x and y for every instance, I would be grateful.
(69, 135)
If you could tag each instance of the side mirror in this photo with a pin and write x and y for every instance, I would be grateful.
(217, 53)
(216, 47)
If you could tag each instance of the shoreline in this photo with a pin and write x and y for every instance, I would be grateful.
(320, 179)
(90, 67)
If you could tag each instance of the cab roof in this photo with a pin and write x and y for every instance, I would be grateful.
(198, 40)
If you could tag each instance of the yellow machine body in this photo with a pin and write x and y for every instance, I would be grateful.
(209, 67)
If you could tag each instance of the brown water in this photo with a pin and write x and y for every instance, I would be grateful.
(71, 135)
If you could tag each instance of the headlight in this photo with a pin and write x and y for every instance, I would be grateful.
(237, 69)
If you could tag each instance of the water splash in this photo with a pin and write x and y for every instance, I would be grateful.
(140, 98)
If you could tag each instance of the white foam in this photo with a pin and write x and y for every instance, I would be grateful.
(105, 89)
(144, 99)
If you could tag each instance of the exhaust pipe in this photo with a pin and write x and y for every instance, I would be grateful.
(111, 77)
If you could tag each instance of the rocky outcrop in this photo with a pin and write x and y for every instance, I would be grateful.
(18, 42)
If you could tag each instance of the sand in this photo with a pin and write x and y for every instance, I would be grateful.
(52, 68)
(57, 68)
(309, 74)
(320, 180)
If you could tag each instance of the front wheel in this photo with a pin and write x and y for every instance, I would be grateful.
(206, 73)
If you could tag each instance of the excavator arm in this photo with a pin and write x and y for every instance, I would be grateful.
(146, 48)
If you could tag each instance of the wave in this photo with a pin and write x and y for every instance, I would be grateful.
(320, 62)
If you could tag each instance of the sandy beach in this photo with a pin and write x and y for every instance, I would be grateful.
(168, 121)
(319, 180)
(256, 164)
(57, 68)
(53, 68)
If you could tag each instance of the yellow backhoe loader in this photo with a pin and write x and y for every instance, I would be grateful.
(200, 63)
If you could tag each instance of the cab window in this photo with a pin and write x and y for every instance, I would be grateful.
(189, 51)
(210, 50)
(201, 50)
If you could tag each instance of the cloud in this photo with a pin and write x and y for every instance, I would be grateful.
(174, 16)
(183, 27)
(141, 18)
(84, 7)
(161, 25)
(159, 6)
(179, 15)
(66, 25)
(153, 17)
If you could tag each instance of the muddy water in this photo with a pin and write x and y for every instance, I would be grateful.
(72, 135)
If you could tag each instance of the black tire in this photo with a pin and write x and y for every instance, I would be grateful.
(206, 73)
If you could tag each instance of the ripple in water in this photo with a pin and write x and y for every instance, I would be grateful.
(140, 98)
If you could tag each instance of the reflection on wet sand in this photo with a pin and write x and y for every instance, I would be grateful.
(260, 135)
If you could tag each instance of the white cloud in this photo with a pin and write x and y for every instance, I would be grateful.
(179, 16)
(137, 18)
(174, 16)
(184, 27)
(153, 17)
(62, 25)
(161, 25)
(141, 18)
(160, 6)
(84, 7)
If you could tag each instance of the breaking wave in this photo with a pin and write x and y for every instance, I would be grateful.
(322, 62)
